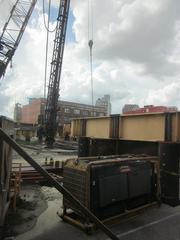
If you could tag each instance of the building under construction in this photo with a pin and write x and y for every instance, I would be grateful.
(120, 176)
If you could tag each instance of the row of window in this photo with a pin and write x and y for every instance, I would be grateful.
(84, 113)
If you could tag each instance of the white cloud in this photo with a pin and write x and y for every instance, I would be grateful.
(168, 95)
(136, 55)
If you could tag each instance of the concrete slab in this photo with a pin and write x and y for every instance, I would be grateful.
(157, 223)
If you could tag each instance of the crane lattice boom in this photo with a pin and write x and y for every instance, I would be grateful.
(13, 31)
(55, 72)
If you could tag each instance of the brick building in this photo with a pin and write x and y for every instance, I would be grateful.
(31, 111)
(69, 110)
(66, 111)
(135, 109)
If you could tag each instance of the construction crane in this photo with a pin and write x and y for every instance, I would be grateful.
(10, 39)
(55, 73)
(13, 31)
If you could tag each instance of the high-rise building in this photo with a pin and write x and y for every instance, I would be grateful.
(104, 102)
(17, 112)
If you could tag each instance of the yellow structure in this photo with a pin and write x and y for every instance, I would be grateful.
(142, 127)
(98, 127)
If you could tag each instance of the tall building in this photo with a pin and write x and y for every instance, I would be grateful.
(17, 112)
(104, 102)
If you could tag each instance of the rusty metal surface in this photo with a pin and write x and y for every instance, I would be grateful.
(168, 127)
(103, 147)
(114, 126)
(78, 179)
(5, 169)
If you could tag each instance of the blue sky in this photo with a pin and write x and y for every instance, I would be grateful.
(70, 37)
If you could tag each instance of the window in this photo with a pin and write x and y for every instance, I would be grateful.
(85, 113)
(76, 111)
(67, 110)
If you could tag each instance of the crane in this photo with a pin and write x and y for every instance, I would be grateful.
(10, 39)
(55, 72)
(7, 49)
(13, 31)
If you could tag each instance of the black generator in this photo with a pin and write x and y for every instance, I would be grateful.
(111, 186)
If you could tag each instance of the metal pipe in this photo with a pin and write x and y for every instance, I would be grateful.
(57, 185)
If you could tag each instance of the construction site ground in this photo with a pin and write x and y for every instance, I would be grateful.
(41, 222)
(36, 214)
(40, 153)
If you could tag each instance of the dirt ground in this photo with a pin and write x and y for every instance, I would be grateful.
(39, 154)
(35, 199)
(32, 202)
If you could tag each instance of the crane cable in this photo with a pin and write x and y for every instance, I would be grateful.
(49, 14)
(47, 44)
(47, 40)
(90, 44)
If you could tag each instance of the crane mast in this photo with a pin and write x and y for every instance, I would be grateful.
(55, 72)
(13, 31)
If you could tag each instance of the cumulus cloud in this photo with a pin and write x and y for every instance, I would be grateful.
(168, 95)
(135, 55)
(5, 8)
(143, 32)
